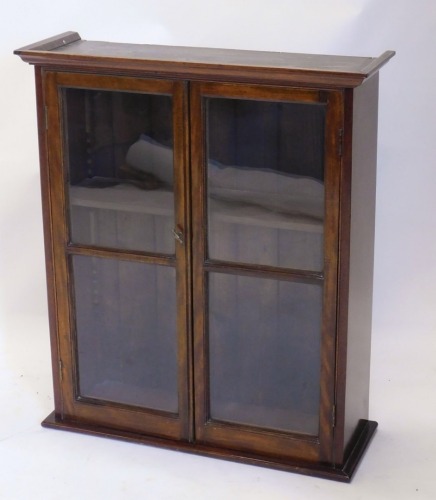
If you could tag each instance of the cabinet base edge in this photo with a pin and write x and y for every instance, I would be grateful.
(344, 473)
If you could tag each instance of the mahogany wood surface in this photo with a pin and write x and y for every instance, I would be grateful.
(346, 91)
(344, 473)
(68, 50)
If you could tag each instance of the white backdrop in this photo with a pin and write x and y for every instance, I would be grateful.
(36, 463)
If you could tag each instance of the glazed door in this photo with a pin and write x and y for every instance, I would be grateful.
(119, 226)
(265, 168)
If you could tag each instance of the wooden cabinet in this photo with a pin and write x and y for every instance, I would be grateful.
(209, 226)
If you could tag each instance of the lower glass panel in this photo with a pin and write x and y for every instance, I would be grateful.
(264, 352)
(126, 332)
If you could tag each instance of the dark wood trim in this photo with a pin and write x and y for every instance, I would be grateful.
(126, 407)
(376, 64)
(358, 445)
(167, 71)
(343, 273)
(199, 219)
(281, 273)
(114, 83)
(108, 253)
(183, 255)
(343, 473)
(261, 92)
(334, 123)
(202, 63)
(187, 214)
(59, 240)
(48, 239)
(52, 43)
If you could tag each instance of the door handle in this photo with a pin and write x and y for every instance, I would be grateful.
(178, 235)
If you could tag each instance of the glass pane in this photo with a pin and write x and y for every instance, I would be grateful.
(126, 332)
(266, 182)
(264, 352)
(119, 155)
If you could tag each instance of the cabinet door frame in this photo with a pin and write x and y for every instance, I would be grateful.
(69, 406)
(266, 442)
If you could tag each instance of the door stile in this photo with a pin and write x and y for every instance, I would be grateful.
(43, 121)
(333, 163)
(199, 221)
(60, 240)
(183, 254)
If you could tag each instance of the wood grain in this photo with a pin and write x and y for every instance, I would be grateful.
(253, 309)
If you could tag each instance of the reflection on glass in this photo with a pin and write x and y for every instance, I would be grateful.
(264, 351)
(119, 159)
(126, 332)
(266, 182)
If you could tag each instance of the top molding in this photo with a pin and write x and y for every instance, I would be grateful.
(68, 51)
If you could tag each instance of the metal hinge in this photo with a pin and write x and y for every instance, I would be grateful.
(61, 366)
(334, 416)
(46, 117)
(340, 142)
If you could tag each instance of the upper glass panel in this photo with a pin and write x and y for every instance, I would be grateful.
(119, 156)
(265, 164)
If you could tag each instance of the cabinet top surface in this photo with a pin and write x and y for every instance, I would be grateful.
(69, 50)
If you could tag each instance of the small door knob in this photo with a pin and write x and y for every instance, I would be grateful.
(178, 235)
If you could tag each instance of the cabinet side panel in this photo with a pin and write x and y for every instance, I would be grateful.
(363, 195)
